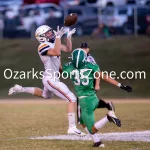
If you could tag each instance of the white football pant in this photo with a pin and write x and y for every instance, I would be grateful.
(58, 88)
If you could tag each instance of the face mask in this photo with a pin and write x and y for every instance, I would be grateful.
(51, 38)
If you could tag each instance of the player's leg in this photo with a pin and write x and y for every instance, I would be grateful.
(111, 114)
(62, 91)
(88, 105)
(30, 90)
(94, 137)
(78, 112)
(92, 127)
(87, 117)
(45, 93)
(103, 104)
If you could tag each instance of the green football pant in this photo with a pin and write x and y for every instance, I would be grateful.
(88, 105)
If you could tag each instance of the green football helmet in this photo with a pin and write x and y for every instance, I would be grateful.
(78, 57)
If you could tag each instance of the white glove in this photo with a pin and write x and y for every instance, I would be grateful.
(59, 33)
(69, 34)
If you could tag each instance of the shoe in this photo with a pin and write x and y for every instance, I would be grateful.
(75, 131)
(112, 118)
(98, 144)
(16, 89)
(111, 106)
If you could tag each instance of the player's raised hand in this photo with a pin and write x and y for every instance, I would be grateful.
(69, 34)
(126, 88)
(59, 33)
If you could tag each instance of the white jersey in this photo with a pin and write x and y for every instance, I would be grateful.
(51, 63)
(90, 59)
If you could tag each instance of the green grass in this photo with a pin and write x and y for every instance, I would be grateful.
(28, 119)
(70, 145)
(118, 54)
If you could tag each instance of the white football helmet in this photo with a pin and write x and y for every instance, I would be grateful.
(40, 34)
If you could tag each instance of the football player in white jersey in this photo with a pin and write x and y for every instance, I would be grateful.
(49, 51)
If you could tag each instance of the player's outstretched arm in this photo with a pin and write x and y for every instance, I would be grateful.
(124, 87)
(68, 46)
(56, 50)
(114, 82)
(108, 79)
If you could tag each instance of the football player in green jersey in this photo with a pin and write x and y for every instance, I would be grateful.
(102, 103)
(83, 74)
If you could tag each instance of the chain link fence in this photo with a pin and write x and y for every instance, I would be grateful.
(126, 20)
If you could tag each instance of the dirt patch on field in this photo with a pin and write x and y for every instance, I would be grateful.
(58, 101)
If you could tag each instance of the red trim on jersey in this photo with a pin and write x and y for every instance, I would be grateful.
(59, 90)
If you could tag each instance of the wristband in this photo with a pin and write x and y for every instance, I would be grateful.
(119, 85)
(58, 37)
(69, 36)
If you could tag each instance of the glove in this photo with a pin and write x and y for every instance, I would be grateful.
(59, 33)
(69, 34)
(126, 88)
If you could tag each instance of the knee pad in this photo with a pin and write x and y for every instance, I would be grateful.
(47, 95)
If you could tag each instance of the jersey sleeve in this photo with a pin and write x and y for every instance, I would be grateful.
(94, 67)
(43, 48)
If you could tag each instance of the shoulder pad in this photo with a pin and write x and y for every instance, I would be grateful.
(43, 45)
(90, 63)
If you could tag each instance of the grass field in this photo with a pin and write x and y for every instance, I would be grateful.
(117, 54)
(21, 119)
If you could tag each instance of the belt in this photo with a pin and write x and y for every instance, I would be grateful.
(82, 96)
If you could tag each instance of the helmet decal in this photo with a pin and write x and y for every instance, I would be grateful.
(78, 57)
(77, 61)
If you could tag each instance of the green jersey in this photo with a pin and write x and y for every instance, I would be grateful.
(82, 78)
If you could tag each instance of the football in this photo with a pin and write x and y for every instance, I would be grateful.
(71, 19)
